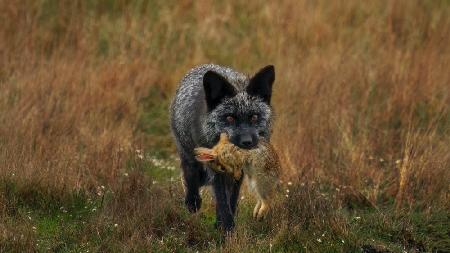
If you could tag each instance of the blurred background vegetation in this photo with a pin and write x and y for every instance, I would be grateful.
(362, 106)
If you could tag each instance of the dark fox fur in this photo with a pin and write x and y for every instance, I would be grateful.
(211, 100)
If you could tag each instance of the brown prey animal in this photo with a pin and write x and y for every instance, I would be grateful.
(261, 165)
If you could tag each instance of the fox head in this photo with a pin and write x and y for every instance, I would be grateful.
(243, 112)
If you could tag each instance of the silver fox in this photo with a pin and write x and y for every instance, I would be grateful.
(211, 100)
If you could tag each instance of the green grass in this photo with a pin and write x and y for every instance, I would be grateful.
(64, 224)
(55, 222)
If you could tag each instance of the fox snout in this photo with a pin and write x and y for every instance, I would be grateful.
(245, 139)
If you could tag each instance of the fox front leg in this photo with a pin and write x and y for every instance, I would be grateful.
(194, 177)
(226, 192)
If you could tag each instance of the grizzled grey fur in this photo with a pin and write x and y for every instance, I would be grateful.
(212, 99)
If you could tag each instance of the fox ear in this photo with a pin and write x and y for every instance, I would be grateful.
(216, 88)
(261, 83)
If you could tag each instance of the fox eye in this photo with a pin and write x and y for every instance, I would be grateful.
(230, 119)
(254, 118)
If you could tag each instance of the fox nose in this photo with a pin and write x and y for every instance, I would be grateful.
(246, 141)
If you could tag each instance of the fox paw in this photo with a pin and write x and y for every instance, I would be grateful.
(227, 227)
(193, 202)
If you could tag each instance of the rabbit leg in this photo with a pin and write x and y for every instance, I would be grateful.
(263, 210)
(256, 209)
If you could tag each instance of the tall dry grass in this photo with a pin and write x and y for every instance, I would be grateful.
(367, 104)
(361, 94)
(356, 83)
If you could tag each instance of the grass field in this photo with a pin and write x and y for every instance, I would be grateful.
(362, 102)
